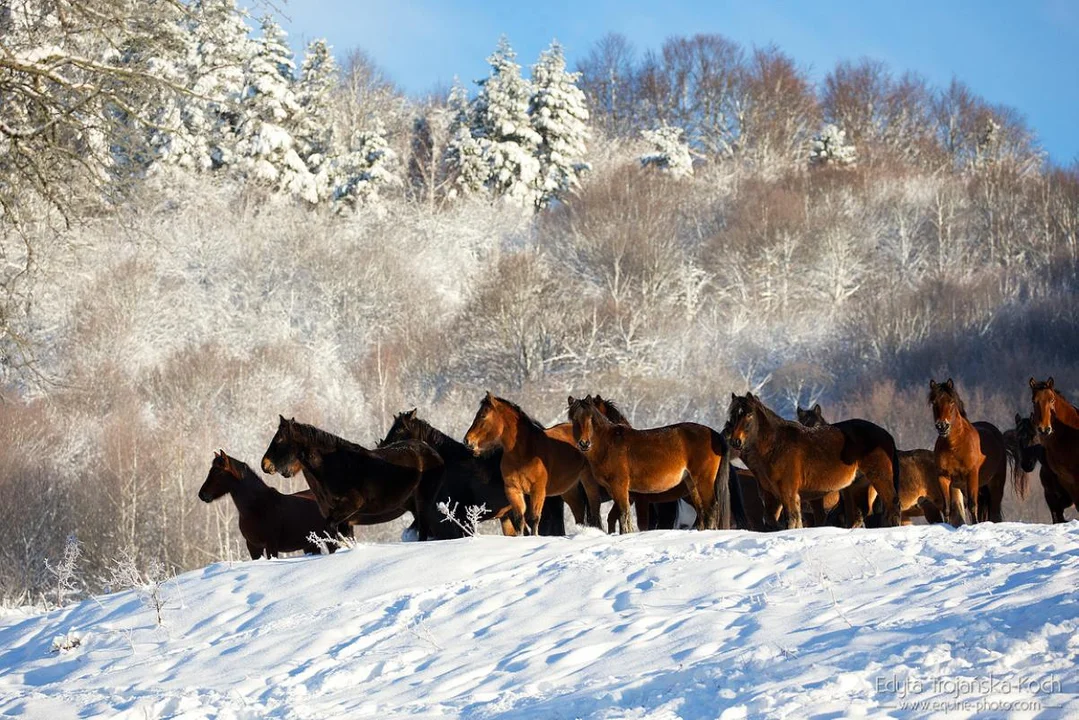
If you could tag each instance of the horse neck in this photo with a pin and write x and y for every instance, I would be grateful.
(961, 430)
(444, 444)
(1065, 412)
(248, 490)
(519, 435)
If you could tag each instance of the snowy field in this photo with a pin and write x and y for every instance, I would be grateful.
(679, 624)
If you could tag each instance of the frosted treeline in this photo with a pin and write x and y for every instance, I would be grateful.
(301, 238)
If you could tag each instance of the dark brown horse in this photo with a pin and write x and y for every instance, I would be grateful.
(686, 455)
(790, 460)
(534, 463)
(270, 521)
(350, 481)
(1057, 423)
(468, 481)
(919, 480)
(969, 455)
(1024, 439)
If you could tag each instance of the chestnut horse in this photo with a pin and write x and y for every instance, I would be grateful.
(790, 460)
(1057, 423)
(534, 463)
(688, 458)
(350, 481)
(270, 521)
(468, 480)
(970, 455)
(919, 481)
(1024, 438)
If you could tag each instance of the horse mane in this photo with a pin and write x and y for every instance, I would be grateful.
(951, 392)
(321, 440)
(420, 429)
(613, 413)
(524, 416)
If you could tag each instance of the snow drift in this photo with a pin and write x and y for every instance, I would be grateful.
(820, 622)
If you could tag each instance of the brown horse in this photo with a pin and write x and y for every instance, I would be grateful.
(970, 455)
(468, 481)
(919, 484)
(1024, 439)
(535, 463)
(790, 460)
(1057, 423)
(270, 521)
(350, 481)
(687, 455)
(654, 512)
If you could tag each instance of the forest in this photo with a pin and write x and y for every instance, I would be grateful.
(201, 231)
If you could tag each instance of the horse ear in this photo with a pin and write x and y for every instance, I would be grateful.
(816, 409)
(932, 384)
(226, 461)
(411, 413)
(569, 401)
(950, 384)
(1018, 418)
(1033, 382)
(1049, 382)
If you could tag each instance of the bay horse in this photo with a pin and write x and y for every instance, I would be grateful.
(271, 522)
(1024, 438)
(789, 459)
(534, 464)
(970, 456)
(920, 491)
(692, 458)
(1057, 424)
(351, 482)
(654, 512)
(468, 480)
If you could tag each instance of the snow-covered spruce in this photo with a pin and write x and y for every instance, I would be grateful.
(830, 147)
(560, 116)
(669, 151)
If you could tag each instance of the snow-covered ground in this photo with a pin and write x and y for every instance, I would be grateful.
(679, 624)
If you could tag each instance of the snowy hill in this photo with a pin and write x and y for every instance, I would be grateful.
(672, 624)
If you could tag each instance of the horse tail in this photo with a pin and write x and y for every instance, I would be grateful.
(738, 505)
(721, 502)
(895, 482)
(1020, 479)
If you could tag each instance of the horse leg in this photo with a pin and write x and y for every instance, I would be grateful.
(255, 551)
(792, 502)
(972, 487)
(932, 513)
(518, 508)
(620, 493)
(573, 498)
(693, 494)
(612, 519)
(996, 496)
(538, 496)
(507, 525)
(594, 500)
(643, 508)
(855, 518)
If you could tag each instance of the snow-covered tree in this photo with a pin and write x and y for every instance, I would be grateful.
(669, 151)
(368, 166)
(270, 112)
(464, 152)
(315, 135)
(221, 50)
(830, 147)
(560, 117)
(501, 122)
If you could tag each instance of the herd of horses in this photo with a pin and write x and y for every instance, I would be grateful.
(513, 469)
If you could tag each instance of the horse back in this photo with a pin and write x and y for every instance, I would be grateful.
(992, 445)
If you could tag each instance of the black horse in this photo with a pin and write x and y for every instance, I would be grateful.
(468, 481)
(1024, 441)
(351, 482)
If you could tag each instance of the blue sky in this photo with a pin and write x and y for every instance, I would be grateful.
(1023, 54)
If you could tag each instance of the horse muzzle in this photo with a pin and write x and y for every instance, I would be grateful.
(268, 467)
(205, 497)
(943, 429)
(736, 443)
(1047, 430)
(584, 445)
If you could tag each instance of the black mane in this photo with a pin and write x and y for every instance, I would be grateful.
(320, 440)
(524, 416)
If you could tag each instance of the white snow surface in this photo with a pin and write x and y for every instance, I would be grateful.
(678, 624)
